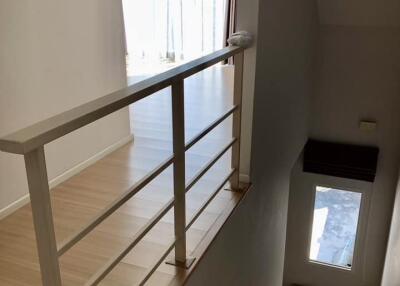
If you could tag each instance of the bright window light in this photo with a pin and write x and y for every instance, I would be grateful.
(161, 34)
(335, 224)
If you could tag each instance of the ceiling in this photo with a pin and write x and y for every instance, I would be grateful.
(360, 12)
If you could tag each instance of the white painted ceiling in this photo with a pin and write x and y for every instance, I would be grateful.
(360, 12)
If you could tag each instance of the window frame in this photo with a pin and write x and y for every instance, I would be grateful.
(362, 187)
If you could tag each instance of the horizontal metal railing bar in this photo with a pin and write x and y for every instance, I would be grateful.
(206, 203)
(75, 238)
(39, 134)
(155, 266)
(112, 262)
(71, 241)
(207, 167)
(191, 222)
(96, 278)
(209, 128)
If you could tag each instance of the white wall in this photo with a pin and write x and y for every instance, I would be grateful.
(359, 78)
(55, 55)
(250, 248)
(391, 273)
(368, 13)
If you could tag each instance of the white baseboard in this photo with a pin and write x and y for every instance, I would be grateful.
(14, 206)
(66, 175)
(244, 178)
(82, 166)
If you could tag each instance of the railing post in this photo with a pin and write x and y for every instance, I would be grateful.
(178, 130)
(42, 217)
(237, 118)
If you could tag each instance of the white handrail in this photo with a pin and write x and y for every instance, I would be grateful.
(31, 140)
(39, 134)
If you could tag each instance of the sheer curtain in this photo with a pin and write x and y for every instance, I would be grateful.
(161, 33)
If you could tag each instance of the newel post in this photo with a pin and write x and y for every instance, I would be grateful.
(42, 217)
(237, 119)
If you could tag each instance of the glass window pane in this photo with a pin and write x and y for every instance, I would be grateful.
(334, 227)
(161, 34)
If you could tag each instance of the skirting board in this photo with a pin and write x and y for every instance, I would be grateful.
(66, 175)
(82, 166)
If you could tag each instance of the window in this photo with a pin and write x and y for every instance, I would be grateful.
(334, 228)
(163, 34)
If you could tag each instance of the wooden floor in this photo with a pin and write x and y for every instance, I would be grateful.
(77, 200)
